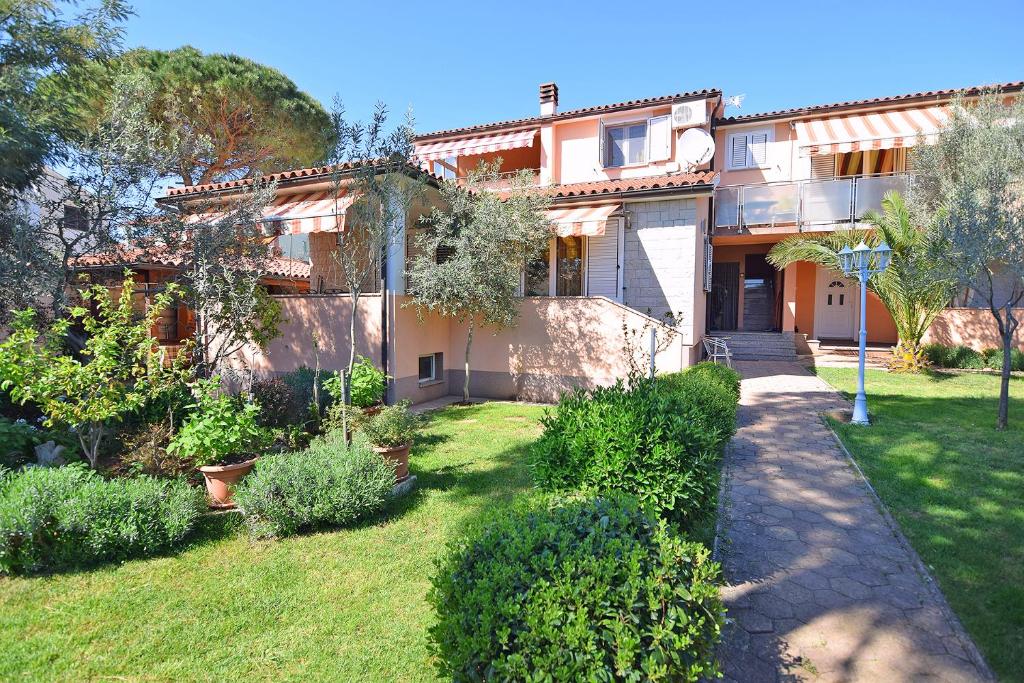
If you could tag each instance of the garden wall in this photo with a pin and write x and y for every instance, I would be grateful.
(974, 327)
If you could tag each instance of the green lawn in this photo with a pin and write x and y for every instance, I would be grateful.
(956, 487)
(341, 605)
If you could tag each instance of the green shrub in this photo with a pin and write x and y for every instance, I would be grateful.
(965, 358)
(301, 380)
(586, 591)
(713, 393)
(715, 372)
(393, 426)
(52, 518)
(221, 428)
(18, 440)
(368, 384)
(329, 483)
(656, 444)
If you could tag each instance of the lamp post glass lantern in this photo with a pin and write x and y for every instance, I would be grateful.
(863, 261)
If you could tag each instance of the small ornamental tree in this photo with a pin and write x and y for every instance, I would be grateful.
(486, 238)
(117, 371)
(969, 188)
(915, 287)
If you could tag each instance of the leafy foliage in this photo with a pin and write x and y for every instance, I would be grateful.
(248, 118)
(964, 357)
(659, 441)
(52, 518)
(489, 236)
(329, 483)
(393, 426)
(367, 384)
(220, 428)
(280, 403)
(969, 188)
(118, 370)
(915, 287)
(588, 590)
(40, 39)
(18, 440)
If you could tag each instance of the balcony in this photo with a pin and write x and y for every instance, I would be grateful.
(504, 179)
(804, 204)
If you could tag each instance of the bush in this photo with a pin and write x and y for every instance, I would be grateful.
(280, 404)
(53, 518)
(18, 440)
(329, 483)
(301, 381)
(587, 591)
(715, 372)
(965, 358)
(145, 452)
(659, 441)
(393, 426)
(713, 393)
(368, 384)
(221, 429)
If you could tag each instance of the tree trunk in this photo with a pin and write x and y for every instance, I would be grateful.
(90, 437)
(469, 344)
(1004, 384)
(352, 333)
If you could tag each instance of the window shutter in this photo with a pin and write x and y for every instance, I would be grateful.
(659, 138)
(602, 269)
(602, 153)
(758, 149)
(738, 151)
(823, 166)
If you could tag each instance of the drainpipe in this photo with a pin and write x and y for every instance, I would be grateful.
(384, 318)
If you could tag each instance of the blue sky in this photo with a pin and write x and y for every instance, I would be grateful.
(461, 63)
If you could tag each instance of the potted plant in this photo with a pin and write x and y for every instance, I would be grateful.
(390, 432)
(223, 438)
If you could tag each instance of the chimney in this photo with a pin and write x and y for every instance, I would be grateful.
(548, 99)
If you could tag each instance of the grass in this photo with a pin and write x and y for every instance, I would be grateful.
(956, 487)
(336, 605)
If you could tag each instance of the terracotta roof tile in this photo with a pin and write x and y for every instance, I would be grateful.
(573, 113)
(162, 255)
(646, 184)
(893, 99)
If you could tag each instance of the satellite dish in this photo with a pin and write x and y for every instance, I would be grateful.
(696, 147)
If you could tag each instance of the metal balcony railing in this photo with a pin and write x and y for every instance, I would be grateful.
(804, 203)
(504, 179)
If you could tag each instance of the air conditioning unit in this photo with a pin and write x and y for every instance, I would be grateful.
(686, 114)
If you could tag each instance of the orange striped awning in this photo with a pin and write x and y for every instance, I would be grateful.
(299, 214)
(429, 151)
(581, 220)
(874, 130)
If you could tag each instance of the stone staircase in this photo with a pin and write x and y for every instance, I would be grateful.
(760, 345)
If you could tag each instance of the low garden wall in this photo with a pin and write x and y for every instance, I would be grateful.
(974, 327)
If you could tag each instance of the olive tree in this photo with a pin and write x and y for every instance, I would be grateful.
(485, 238)
(969, 189)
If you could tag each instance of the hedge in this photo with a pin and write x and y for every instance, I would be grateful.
(585, 591)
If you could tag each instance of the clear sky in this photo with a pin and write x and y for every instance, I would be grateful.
(461, 63)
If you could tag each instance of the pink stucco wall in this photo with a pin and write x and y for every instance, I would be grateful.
(326, 316)
(974, 327)
(557, 343)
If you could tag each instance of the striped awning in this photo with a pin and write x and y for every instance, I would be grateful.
(875, 130)
(299, 214)
(581, 220)
(430, 151)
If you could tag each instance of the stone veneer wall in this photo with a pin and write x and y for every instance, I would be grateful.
(659, 251)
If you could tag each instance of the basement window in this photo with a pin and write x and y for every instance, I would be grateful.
(431, 368)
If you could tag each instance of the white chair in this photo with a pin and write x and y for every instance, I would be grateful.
(717, 349)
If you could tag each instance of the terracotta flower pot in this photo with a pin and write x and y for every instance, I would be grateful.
(220, 479)
(398, 455)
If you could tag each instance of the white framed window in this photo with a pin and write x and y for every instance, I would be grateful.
(748, 149)
(445, 169)
(625, 145)
(431, 367)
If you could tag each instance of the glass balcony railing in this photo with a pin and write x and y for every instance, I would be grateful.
(804, 202)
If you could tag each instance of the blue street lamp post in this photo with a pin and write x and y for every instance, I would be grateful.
(863, 261)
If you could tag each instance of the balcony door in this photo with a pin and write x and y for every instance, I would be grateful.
(835, 308)
(725, 295)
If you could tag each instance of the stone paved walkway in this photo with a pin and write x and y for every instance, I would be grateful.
(819, 584)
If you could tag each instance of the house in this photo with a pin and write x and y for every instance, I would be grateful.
(661, 207)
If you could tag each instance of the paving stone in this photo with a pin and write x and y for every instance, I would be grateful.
(822, 587)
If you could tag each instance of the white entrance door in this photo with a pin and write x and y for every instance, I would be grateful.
(834, 310)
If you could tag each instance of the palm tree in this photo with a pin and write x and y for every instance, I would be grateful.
(913, 288)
